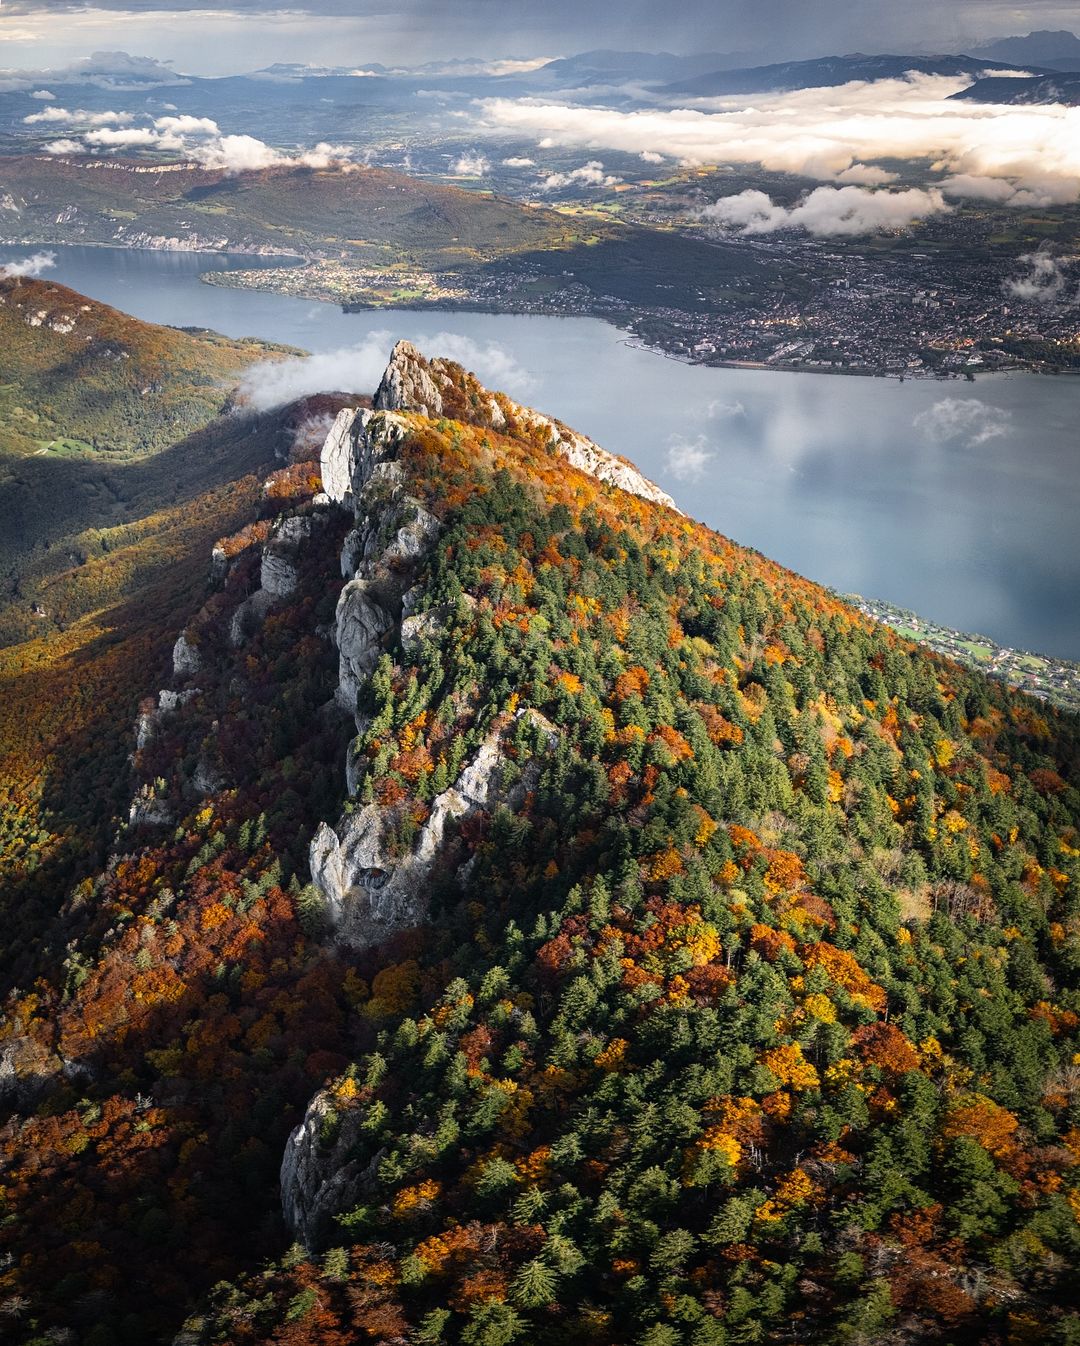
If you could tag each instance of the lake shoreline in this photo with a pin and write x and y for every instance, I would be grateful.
(317, 294)
(932, 493)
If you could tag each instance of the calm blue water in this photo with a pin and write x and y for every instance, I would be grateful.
(959, 500)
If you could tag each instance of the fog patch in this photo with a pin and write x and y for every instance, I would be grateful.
(471, 165)
(358, 369)
(963, 421)
(588, 175)
(28, 266)
(1045, 279)
(688, 459)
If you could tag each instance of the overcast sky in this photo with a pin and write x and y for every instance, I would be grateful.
(208, 39)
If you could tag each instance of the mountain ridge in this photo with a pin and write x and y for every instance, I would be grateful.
(740, 988)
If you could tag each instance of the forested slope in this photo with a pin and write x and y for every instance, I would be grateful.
(734, 998)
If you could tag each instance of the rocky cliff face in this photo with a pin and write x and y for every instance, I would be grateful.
(369, 887)
(441, 387)
(318, 1178)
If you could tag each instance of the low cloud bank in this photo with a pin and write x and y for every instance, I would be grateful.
(28, 266)
(114, 71)
(1022, 155)
(79, 117)
(199, 139)
(827, 211)
(962, 421)
(358, 369)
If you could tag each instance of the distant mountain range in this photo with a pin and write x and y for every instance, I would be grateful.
(1061, 87)
(1058, 50)
(822, 73)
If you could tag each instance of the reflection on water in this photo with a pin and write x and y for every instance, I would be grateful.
(956, 499)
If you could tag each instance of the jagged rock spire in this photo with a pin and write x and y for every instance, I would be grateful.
(407, 384)
(442, 388)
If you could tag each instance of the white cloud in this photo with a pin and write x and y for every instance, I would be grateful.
(29, 266)
(688, 459)
(245, 154)
(827, 211)
(471, 165)
(236, 154)
(588, 175)
(834, 134)
(43, 95)
(470, 67)
(51, 115)
(516, 161)
(491, 363)
(132, 137)
(187, 126)
(973, 188)
(352, 369)
(198, 138)
(358, 369)
(866, 175)
(1044, 281)
(651, 157)
(963, 421)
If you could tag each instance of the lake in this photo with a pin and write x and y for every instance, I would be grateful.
(958, 500)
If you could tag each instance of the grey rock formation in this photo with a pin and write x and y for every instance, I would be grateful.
(278, 573)
(407, 384)
(249, 616)
(186, 659)
(369, 888)
(152, 713)
(147, 810)
(381, 556)
(335, 461)
(426, 625)
(413, 383)
(362, 624)
(318, 1179)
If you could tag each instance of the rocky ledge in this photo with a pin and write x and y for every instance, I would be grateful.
(442, 388)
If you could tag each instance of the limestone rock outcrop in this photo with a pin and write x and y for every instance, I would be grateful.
(441, 387)
(382, 554)
(362, 623)
(151, 712)
(278, 572)
(186, 659)
(407, 384)
(318, 1178)
(369, 887)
